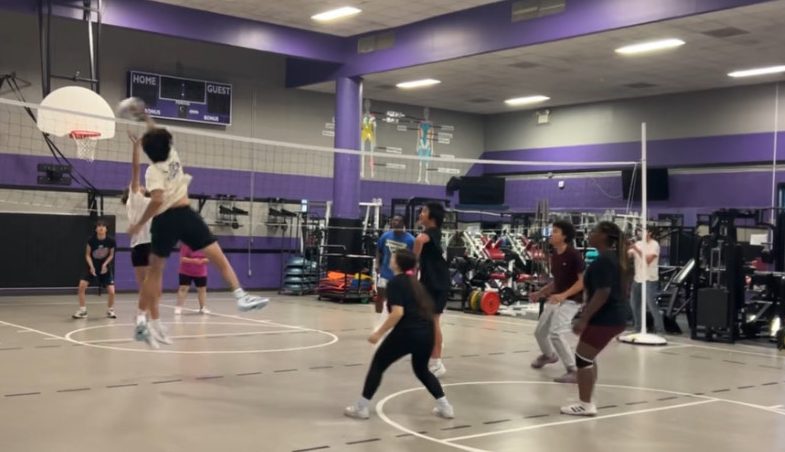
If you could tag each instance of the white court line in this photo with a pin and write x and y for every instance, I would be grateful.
(193, 336)
(525, 322)
(578, 420)
(383, 416)
(33, 330)
(726, 350)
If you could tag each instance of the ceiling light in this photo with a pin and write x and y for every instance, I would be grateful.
(651, 46)
(758, 71)
(337, 13)
(526, 100)
(418, 83)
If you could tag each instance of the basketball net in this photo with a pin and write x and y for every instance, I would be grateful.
(86, 143)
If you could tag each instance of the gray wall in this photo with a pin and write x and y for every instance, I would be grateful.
(740, 110)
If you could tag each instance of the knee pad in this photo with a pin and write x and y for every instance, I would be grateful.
(583, 363)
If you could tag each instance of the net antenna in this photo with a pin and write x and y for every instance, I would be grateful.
(78, 113)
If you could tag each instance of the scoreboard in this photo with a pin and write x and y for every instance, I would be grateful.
(182, 99)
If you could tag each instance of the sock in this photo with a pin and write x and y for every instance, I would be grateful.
(156, 323)
(442, 402)
(239, 293)
(141, 319)
(82, 308)
(363, 403)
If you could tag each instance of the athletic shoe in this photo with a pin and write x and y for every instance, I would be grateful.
(445, 411)
(250, 302)
(438, 370)
(580, 409)
(204, 310)
(569, 377)
(159, 334)
(356, 412)
(79, 315)
(543, 360)
(178, 311)
(142, 334)
(110, 314)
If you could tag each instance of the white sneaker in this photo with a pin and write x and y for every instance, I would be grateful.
(444, 411)
(249, 302)
(204, 310)
(178, 310)
(159, 334)
(356, 412)
(142, 334)
(580, 409)
(438, 370)
(80, 314)
(110, 314)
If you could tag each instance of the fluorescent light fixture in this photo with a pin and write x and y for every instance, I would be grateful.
(651, 46)
(526, 100)
(758, 71)
(418, 83)
(337, 13)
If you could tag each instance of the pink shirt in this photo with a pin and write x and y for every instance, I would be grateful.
(194, 270)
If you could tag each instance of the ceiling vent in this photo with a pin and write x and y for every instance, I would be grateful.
(372, 43)
(725, 32)
(533, 9)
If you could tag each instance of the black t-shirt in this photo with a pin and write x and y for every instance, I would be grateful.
(99, 250)
(565, 268)
(401, 293)
(605, 273)
(434, 272)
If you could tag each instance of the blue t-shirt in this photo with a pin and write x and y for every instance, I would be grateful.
(389, 243)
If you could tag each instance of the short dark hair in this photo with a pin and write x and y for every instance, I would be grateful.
(436, 212)
(566, 228)
(156, 144)
(101, 222)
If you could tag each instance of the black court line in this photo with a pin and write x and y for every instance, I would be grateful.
(47, 346)
(770, 383)
(457, 427)
(73, 390)
(350, 329)
(769, 367)
(312, 448)
(509, 331)
(637, 403)
(700, 357)
(247, 374)
(20, 394)
(662, 399)
(745, 387)
(469, 356)
(122, 386)
(10, 348)
(209, 377)
(520, 351)
(363, 441)
(720, 390)
(607, 407)
(495, 354)
(353, 365)
(535, 416)
(320, 367)
(284, 370)
(177, 380)
(698, 393)
(670, 353)
(405, 435)
(497, 422)
(734, 362)
(489, 328)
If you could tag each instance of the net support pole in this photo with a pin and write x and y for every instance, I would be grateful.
(346, 167)
(644, 337)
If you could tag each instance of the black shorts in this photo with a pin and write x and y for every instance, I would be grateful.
(140, 255)
(439, 298)
(199, 281)
(179, 224)
(103, 280)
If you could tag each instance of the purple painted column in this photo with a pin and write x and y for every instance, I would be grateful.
(346, 167)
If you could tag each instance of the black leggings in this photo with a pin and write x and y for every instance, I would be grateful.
(418, 343)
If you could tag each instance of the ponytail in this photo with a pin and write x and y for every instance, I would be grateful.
(406, 261)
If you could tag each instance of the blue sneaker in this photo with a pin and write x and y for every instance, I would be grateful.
(250, 302)
(142, 334)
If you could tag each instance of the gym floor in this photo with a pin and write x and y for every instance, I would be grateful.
(277, 380)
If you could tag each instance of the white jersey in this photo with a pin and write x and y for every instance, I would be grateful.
(135, 207)
(643, 271)
(169, 177)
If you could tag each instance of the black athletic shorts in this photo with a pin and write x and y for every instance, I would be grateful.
(103, 280)
(140, 255)
(439, 298)
(199, 281)
(179, 224)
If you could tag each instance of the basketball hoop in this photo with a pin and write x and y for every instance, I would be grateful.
(86, 143)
